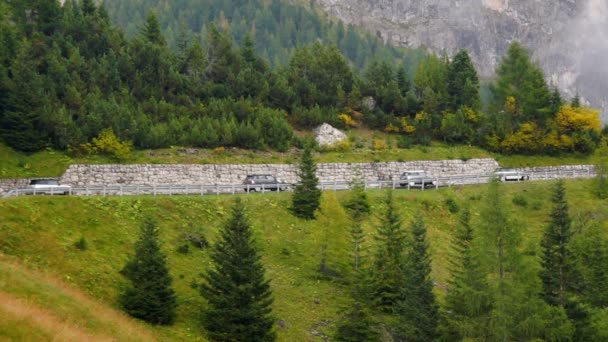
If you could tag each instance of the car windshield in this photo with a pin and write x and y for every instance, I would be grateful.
(43, 182)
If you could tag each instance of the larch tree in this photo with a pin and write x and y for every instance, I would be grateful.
(518, 312)
(356, 324)
(386, 274)
(238, 295)
(357, 206)
(467, 300)
(418, 310)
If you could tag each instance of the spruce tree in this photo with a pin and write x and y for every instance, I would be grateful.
(462, 82)
(151, 31)
(386, 274)
(558, 274)
(576, 101)
(306, 196)
(149, 296)
(238, 296)
(357, 325)
(418, 312)
(467, 299)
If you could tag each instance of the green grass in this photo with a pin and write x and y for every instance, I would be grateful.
(40, 233)
(36, 306)
(49, 163)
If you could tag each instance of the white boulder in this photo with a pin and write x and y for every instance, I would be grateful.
(326, 135)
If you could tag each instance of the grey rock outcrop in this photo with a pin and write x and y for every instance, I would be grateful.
(327, 135)
(569, 38)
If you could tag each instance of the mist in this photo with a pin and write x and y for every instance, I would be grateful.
(588, 33)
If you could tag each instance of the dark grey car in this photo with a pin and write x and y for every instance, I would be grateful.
(263, 182)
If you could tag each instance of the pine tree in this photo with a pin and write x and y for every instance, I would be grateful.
(238, 296)
(386, 274)
(306, 196)
(418, 312)
(467, 299)
(149, 296)
(559, 274)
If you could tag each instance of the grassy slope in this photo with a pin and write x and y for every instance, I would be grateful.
(40, 233)
(50, 163)
(37, 306)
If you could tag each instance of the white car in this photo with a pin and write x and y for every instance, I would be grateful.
(47, 187)
(416, 179)
(506, 175)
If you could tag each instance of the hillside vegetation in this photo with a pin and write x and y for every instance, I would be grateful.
(72, 81)
(52, 163)
(41, 261)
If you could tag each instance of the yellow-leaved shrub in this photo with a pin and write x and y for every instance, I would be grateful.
(571, 119)
(107, 143)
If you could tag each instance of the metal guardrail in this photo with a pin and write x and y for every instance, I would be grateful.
(165, 190)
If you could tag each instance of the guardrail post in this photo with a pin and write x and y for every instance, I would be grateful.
(233, 189)
(436, 183)
(202, 190)
(335, 185)
(104, 191)
(393, 184)
(217, 189)
(120, 191)
(86, 191)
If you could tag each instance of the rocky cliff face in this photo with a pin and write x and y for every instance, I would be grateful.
(569, 38)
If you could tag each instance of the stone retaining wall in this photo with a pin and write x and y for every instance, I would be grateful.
(15, 183)
(211, 174)
(561, 171)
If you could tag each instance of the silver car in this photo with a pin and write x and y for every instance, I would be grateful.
(47, 187)
(511, 175)
(416, 178)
